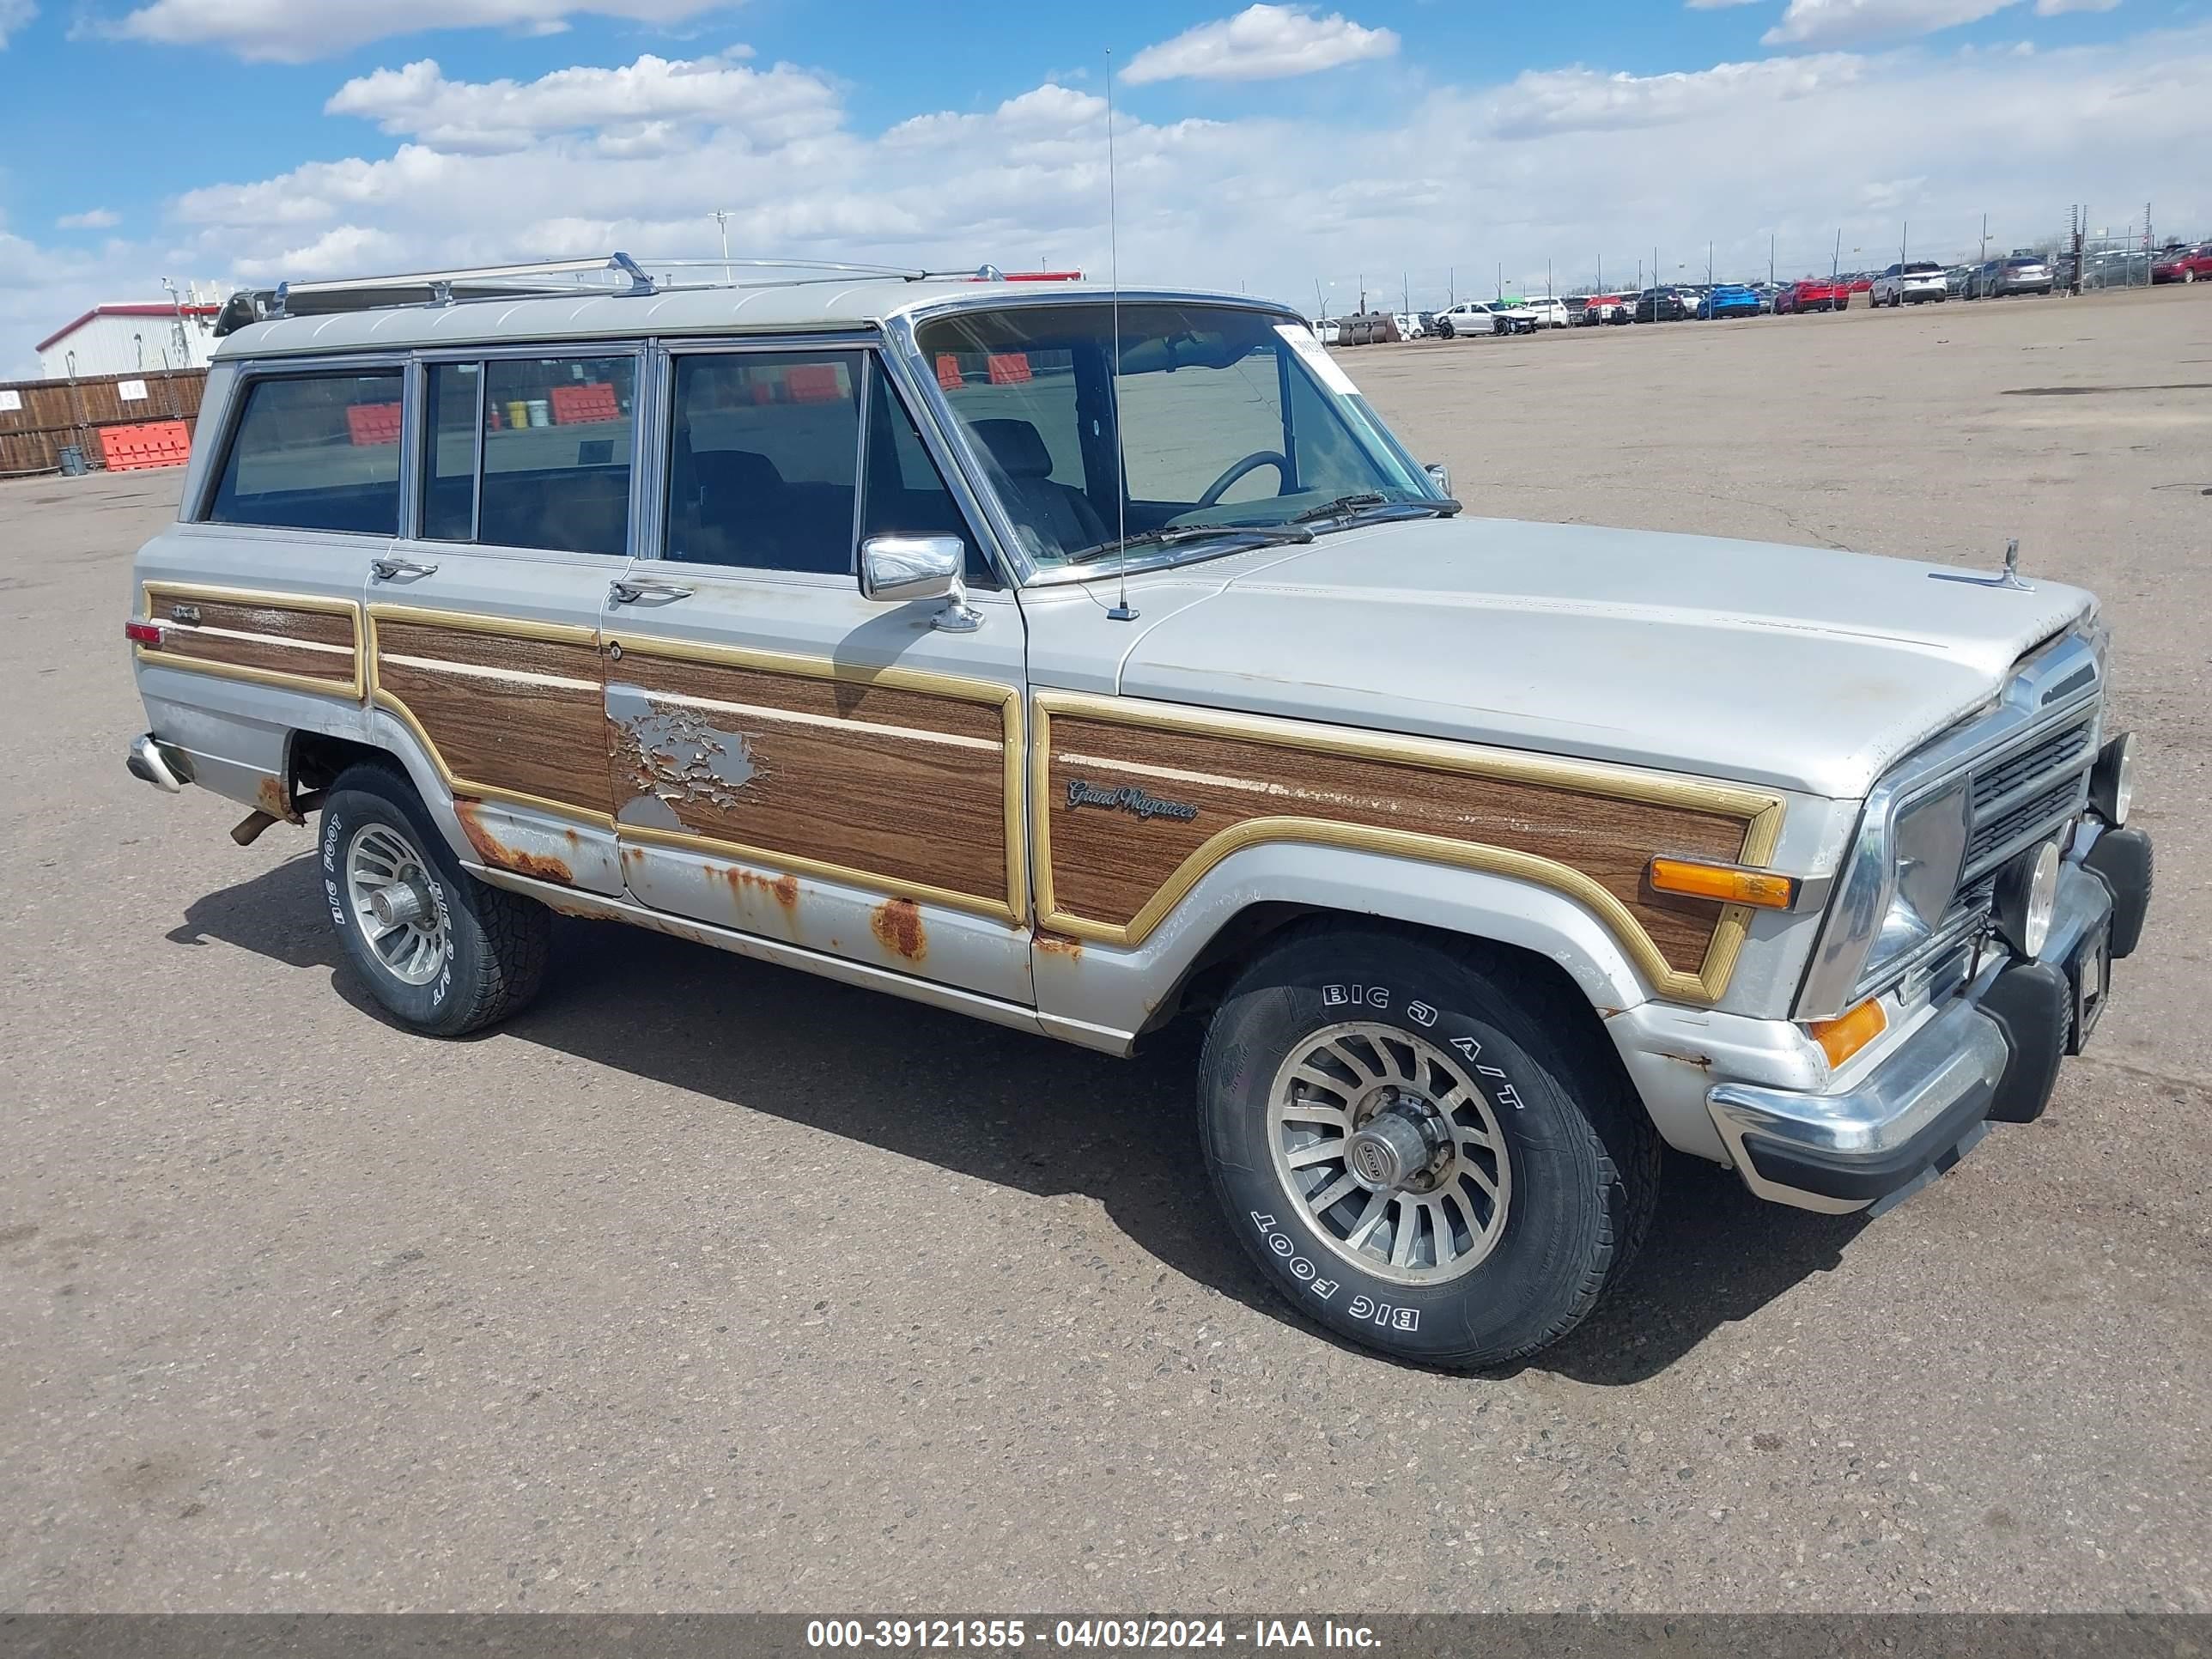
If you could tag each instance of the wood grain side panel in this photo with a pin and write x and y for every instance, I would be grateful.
(883, 799)
(268, 653)
(1107, 862)
(278, 622)
(829, 699)
(467, 648)
(493, 727)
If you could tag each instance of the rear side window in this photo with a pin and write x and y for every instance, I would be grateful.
(556, 453)
(315, 452)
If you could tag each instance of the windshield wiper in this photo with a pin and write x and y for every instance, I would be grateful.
(1345, 506)
(1171, 535)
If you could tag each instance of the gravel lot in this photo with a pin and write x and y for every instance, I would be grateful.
(707, 1285)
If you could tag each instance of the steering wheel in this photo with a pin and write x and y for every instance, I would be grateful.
(1252, 463)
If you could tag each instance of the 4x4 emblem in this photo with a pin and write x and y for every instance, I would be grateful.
(1129, 799)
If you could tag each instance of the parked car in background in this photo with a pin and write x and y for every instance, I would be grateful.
(1606, 308)
(1767, 291)
(1726, 300)
(1325, 330)
(1955, 279)
(1576, 304)
(2184, 265)
(1908, 284)
(1813, 293)
(1472, 317)
(2016, 273)
(1545, 312)
(1409, 325)
(1660, 304)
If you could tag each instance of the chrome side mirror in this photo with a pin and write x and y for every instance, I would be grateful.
(897, 569)
(1441, 474)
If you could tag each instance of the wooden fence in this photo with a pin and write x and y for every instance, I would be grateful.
(50, 415)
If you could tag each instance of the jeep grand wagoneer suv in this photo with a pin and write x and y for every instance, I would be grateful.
(1082, 661)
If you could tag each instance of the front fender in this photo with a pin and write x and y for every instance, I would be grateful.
(1104, 995)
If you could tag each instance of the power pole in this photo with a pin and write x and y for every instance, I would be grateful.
(1451, 286)
(1836, 260)
(722, 223)
(1770, 258)
(1986, 240)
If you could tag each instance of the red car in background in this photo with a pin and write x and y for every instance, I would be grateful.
(2184, 265)
(1814, 294)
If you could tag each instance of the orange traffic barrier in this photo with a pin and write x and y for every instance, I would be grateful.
(155, 443)
(812, 383)
(579, 405)
(1010, 368)
(371, 424)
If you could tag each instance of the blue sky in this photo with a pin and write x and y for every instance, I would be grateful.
(1277, 147)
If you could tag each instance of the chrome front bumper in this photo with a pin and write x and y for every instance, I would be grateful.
(1927, 1100)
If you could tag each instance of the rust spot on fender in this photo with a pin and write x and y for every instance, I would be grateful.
(783, 889)
(896, 924)
(273, 798)
(537, 866)
(1059, 944)
(1703, 1062)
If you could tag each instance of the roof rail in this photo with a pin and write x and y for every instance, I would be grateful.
(546, 277)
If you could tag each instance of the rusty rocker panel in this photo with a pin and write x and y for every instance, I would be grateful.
(1135, 801)
(305, 643)
(907, 781)
(508, 710)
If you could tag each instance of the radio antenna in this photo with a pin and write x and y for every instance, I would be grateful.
(1121, 612)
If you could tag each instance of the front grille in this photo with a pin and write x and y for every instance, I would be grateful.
(2025, 792)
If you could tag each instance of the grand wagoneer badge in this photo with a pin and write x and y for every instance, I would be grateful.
(1129, 799)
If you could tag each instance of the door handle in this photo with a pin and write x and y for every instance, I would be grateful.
(391, 570)
(621, 592)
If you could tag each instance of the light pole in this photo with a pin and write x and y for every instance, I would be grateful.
(722, 223)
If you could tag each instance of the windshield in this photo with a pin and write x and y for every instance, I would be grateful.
(1230, 419)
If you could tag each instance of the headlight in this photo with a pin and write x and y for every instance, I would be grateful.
(2027, 897)
(1897, 882)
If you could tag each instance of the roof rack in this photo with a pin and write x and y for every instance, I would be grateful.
(446, 288)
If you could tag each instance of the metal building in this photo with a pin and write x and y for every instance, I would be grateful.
(126, 338)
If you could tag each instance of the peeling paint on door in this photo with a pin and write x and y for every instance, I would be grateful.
(672, 757)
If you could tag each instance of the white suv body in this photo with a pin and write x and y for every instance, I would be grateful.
(1909, 285)
(1080, 659)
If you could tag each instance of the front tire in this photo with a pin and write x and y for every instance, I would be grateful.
(1425, 1147)
(443, 953)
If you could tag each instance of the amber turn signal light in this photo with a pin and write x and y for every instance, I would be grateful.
(1845, 1036)
(1727, 883)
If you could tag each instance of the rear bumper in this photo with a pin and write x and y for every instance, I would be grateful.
(1991, 1054)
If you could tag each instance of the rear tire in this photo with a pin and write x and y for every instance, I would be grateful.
(1544, 1167)
(442, 951)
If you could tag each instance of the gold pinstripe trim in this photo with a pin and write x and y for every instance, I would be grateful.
(322, 685)
(1761, 811)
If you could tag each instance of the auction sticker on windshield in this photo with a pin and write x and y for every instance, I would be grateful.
(1302, 342)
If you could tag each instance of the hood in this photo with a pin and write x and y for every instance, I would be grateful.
(1794, 667)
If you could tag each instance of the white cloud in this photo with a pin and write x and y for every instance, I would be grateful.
(2053, 8)
(292, 31)
(1260, 43)
(1580, 100)
(1568, 165)
(1715, 5)
(90, 219)
(1846, 22)
(15, 15)
(638, 109)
